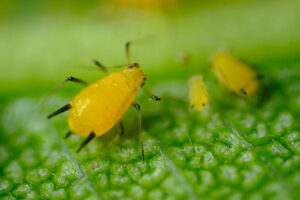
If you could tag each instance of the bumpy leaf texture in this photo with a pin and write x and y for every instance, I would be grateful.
(235, 149)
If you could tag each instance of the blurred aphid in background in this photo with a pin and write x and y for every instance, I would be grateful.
(235, 75)
(198, 96)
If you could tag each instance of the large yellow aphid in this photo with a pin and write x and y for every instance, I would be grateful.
(236, 75)
(197, 92)
(101, 105)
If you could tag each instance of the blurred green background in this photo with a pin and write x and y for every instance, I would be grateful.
(232, 150)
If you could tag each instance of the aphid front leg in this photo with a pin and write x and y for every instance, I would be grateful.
(101, 67)
(138, 108)
(152, 96)
(86, 141)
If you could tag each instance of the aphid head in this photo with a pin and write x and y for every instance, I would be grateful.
(137, 74)
(134, 65)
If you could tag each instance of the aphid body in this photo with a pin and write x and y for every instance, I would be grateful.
(235, 75)
(99, 106)
(197, 92)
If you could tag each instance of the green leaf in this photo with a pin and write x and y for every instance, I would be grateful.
(237, 152)
(234, 149)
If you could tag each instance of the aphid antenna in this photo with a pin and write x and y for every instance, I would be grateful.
(120, 66)
(127, 49)
(105, 68)
(128, 45)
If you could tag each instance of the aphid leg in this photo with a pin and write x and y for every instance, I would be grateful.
(122, 130)
(243, 91)
(61, 110)
(71, 79)
(107, 148)
(86, 141)
(127, 45)
(138, 108)
(259, 77)
(152, 96)
(68, 134)
(101, 67)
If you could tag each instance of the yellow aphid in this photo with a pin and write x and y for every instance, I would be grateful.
(98, 107)
(236, 75)
(101, 105)
(197, 92)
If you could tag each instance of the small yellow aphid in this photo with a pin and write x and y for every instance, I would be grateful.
(197, 92)
(101, 105)
(236, 75)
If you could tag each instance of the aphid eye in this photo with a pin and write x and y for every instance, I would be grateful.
(135, 65)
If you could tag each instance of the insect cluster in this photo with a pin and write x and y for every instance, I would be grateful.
(100, 105)
(238, 77)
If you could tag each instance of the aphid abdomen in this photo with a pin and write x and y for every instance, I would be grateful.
(101, 105)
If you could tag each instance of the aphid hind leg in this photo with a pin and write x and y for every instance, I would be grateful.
(122, 130)
(60, 110)
(138, 108)
(152, 96)
(68, 134)
(86, 141)
(107, 148)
